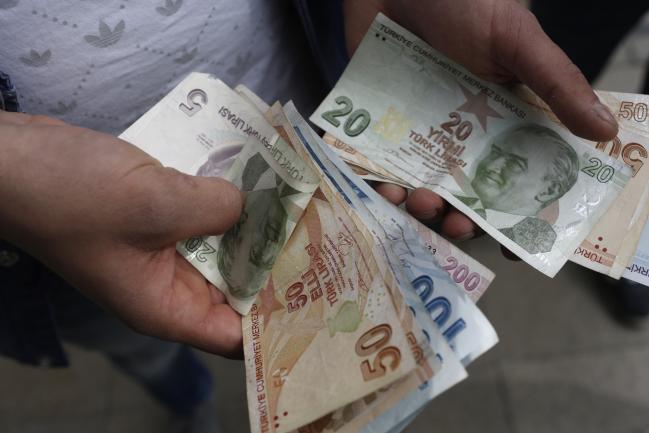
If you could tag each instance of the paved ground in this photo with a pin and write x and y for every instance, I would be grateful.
(563, 364)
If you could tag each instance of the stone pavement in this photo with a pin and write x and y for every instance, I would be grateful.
(563, 365)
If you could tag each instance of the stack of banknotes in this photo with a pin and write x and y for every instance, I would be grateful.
(355, 315)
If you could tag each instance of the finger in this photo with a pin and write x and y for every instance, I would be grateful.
(219, 332)
(183, 206)
(458, 226)
(198, 315)
(509, 255)
(524, 48)
(425, 205)
(395, 194)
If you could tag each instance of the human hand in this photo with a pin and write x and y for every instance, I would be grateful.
(500, 41)
(107, 216)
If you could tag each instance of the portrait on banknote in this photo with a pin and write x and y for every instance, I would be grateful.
(522, 171)
(249, 249)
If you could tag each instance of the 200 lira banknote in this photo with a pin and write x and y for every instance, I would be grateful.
(522, 177)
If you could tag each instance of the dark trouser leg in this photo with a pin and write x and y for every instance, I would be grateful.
(169, 371)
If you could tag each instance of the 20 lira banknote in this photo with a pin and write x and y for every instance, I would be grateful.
(612, 241)
(521, 176)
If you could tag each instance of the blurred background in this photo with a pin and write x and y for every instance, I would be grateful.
(565, 363)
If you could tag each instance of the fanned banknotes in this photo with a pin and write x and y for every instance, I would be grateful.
(325, 330)
(522, 177)
(465, 327)
(428, 290)
(355, 314)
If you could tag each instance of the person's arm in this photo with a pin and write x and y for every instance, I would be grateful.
(106, 216)
(500, 41)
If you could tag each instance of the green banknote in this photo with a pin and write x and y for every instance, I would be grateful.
(518, 173)
(204, 128)
(278, 187)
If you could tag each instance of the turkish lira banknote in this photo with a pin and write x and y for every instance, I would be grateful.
(278, 187)
(204, 128)
(609, 246)
(519, 174)
(200, 127)
(638, 267)
(473, 276)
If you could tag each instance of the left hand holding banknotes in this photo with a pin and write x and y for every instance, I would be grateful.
(500, 41)
(107, 216)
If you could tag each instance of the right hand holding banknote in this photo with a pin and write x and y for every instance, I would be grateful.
(499, 41)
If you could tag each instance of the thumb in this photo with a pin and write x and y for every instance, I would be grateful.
(524, 48)
(196, 206)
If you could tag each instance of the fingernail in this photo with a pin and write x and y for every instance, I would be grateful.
(466, 236)
(604, 113)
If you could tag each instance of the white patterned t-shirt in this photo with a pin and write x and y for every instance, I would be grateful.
(102, 63)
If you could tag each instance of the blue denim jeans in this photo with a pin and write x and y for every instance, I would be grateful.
(38, 310)
(171, 372)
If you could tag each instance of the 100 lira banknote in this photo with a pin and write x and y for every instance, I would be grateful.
(521, 176)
